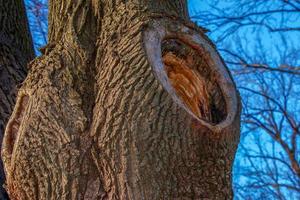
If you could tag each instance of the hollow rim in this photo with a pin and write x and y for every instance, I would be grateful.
(161, 30)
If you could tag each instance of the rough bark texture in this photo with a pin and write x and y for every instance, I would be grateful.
(16, 51)
(98, 117)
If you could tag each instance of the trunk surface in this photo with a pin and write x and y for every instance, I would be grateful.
(130, 100)
(16, 50)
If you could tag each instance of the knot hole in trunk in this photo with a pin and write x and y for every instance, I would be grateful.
(191, 77)
(188, 66)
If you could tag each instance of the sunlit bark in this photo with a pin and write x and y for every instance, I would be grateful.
(99, 117)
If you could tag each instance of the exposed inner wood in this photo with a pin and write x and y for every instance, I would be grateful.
(190, 74)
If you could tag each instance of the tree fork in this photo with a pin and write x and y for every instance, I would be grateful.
(129, 101)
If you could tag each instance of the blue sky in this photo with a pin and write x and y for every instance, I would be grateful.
(260, 45)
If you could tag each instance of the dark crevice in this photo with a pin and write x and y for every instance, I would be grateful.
(14, 124)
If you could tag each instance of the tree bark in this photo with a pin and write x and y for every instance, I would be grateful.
(110, 110)
(16, 50)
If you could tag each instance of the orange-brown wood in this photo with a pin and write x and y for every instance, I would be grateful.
(189, 85)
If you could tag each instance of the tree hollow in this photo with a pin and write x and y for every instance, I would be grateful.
(190, 69)
(190, 75)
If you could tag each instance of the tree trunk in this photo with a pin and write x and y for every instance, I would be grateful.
(16, 50)
(129, 101)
